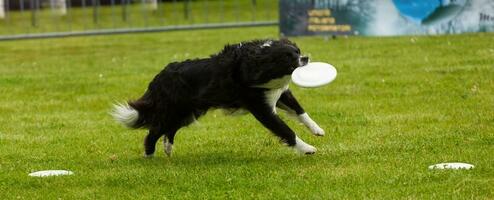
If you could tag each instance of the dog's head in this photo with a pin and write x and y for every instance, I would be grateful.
(269, 63)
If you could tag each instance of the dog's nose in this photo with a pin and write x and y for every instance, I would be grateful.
(304, 60)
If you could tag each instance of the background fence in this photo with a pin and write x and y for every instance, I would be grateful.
(55, 18)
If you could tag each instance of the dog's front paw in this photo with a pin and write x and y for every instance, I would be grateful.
(316, 130)
(311, 124)
(303, 147)
(148, 155)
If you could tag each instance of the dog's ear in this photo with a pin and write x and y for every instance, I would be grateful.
(285, 40)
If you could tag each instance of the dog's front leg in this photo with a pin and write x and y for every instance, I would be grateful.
(264, 114)
(289, 103)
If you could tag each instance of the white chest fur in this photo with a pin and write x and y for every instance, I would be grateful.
(273, 95)
(275, 88)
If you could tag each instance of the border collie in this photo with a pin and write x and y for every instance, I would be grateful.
(250, 76)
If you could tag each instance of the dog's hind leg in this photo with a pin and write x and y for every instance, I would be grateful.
(173, 124)
(150, 141)
(172, 127)
(288, 102)
(168, 143)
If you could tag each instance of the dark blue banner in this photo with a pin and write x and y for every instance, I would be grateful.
(385, 17)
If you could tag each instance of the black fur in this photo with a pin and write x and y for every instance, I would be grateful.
(232, 79)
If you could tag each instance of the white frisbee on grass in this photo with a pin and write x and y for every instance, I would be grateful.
(314, 74)
(46, 173)
(455, 165)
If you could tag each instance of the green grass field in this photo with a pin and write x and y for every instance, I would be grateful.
(398, 105)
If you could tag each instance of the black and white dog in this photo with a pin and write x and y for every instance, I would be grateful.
(251, 76)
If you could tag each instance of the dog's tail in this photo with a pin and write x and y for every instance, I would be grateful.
(129, 114)
(125, 115)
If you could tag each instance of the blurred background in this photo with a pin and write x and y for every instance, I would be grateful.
(54, 18)
(21, 17)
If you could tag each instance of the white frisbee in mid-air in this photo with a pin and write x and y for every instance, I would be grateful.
(51, 173)
(314, 74)
(455, 165)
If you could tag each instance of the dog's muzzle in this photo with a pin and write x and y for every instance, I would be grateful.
(303, 60)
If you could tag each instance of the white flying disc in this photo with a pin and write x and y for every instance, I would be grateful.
(452, 166)
(51, 173)
(314, 74)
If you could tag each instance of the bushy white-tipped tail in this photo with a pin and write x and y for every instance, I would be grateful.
(125, 114)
